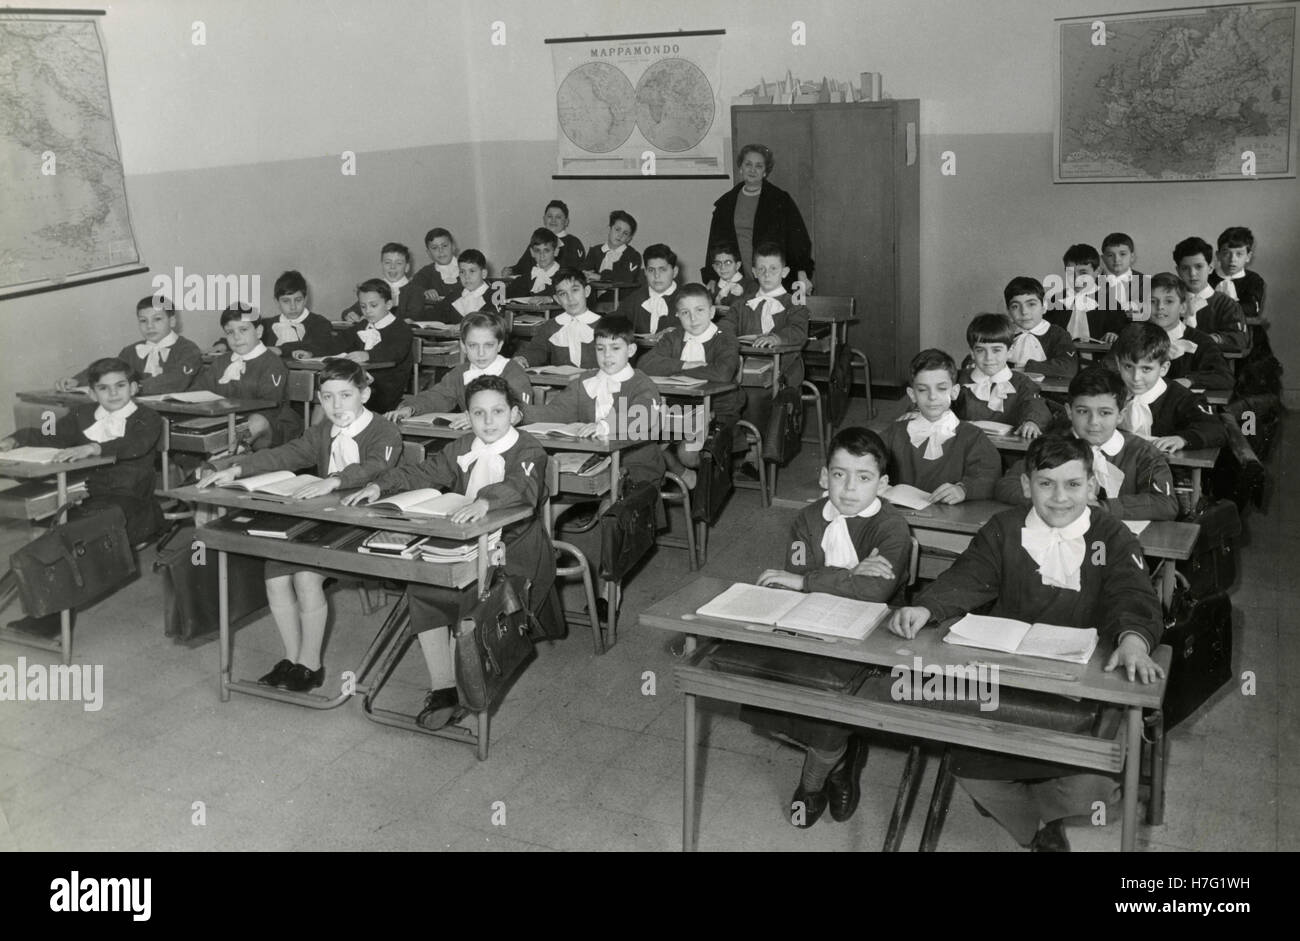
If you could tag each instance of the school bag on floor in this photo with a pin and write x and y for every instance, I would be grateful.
(1212, 566)
(713, 479)
(627, 530)
(190, 599)
(1199, 631)
(74, 563)
(784, 435)
(493, 642)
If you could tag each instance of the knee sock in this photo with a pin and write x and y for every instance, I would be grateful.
(286, 620)
(436, 647)
(817, 766)
(313, 635)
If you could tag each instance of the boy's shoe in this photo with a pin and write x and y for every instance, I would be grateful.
(439, 708)
(806, 807)
(1050, 839)
(301, 679)
(279, 673)
(843, 785)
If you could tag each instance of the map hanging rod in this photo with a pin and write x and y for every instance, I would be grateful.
(1242, 3)
(680, 32)
(15, 11)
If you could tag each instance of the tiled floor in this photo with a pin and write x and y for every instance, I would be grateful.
(581, 758)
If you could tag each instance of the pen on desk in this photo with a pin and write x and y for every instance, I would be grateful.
(1024, 671)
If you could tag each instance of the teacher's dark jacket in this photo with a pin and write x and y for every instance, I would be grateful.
(776, 219)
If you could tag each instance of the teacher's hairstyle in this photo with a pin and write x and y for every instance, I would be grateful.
(769, 162)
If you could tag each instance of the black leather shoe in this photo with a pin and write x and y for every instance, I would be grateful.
(279, 673)
(843, 785)
(439, 708)
(300, 679)
(806, 807)
(1050, 839)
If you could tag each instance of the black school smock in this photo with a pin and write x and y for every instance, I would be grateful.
(1146, 494)
(885, 531)
(1182, 412)
(1026, 403)
(968, 458)
(129, 482)
(788, 326)
(529, 553)
(317, 336)
(265, 377)
(630, 307)
(1223, 316)
(1250, 288)
(1205, 367)
(395, 346)
(379, 444)
(181, 363)
(721, 361)
(568, 253)
(448, 394)
(1115, 596)
(538, 350)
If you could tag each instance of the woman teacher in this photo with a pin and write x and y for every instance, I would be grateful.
(755, 211)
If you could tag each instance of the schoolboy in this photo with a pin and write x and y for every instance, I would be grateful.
(1133, 478)
(297, 333)
(164, 362)
(500, 467)
(650, 307)
(1124, 286)
(1047, 566)
(482, 335)
(1170, 415)
(540, 278)
(567, 338)
(853, 544)
(395, 264)
(990, 391)
(113, 425)
(568, 247)
(728, 279)
(474, 295)
(770, 312)
(616, 260)
(1195, 360)
(613, 400)
(440, 279)
(248, 370)
(348, 449)
(1039, 347)
(1208, 310)
(1231, 276)
(933, 450)
(699, 349)
(380, 337)
(1081, 312)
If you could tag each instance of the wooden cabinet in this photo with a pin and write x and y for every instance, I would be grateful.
(853, 170)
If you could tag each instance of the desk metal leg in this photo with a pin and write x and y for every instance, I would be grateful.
(1132, 765)
(611, 591)
(65, 616)
(232, 439)
(223, 620)
(688, 782)
(1168, 582)
(1196, 487)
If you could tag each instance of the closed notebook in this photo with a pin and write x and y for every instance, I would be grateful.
(906, 495)
(817, 614)
(426, 501)
(332, 536)
(997, 428)
(269, 525)
(397, 545)
(1047, 641)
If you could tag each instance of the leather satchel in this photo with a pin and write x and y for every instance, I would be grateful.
(1199, 631)
(190, 602)
(627, 530)
(74, 563)
(789, 666)
(713, 480)
(493, 642)
(784, 435)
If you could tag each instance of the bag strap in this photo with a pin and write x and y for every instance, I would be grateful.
(65, 549)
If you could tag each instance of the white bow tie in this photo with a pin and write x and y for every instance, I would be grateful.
(1196, 302)
(1178, 342)
(1225, 285)
(771, 307)
(933, 433)
(1080, 305)
(693, 347)
(494, 368)
(602, 388)
(471, 301)
(489, 467)
(1137, 416)
(237, 364)
(1059, 551)
(109, 426)
(449, 273)
(344, 451)
(1108, 475)
(542, 277)
(1026, 348)
(574, 332)
(992, 389)
(837, 545)
(612, 255)
(155, 354)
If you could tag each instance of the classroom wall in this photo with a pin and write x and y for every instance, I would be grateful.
(232, 149)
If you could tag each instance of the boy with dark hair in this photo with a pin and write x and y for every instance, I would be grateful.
(1170, 415)
(990, 391)
(540, 279)
(297, 333)
(1040, 347)
(1236, 250)
(1082, 312)
(1194, 358)
(1208, 310)
(651, 306)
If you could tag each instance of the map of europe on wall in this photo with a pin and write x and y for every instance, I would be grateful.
(1177, 95)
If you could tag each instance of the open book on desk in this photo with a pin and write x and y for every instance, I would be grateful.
(427, 501)
(551, 429)
(819, 615)
(275, 483)
(195, 397)
(30, 455)
(993, 427)
(906, 495)
(681, 382)
(1046, 641)
(559, 369)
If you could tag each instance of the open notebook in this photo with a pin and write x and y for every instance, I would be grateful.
(426, 501)
(557, 369)
(815, 615)
(276, 483)
(29, 455)
(686, 382)
(1048, 641)
(196, 396)
(550, 429)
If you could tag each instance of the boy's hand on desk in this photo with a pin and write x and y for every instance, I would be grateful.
(521, 362)
(367, 494)
(948, 494)
(432, 296)
(1184, 382)
(1131, 655)
(1170, 443)
(468, 514)
(7, 444)
(219, 478)
(594, 430)
(67, 384)
(780, 578)
(1110, 338)
(351, 316)
(358, 356)
(397, 414)
(765, 341)
(300, 354)
(1029, 431)
(318, 489)
(592, 275)
(459, 421)
(80, 452)
(874, 566)
(907, 622)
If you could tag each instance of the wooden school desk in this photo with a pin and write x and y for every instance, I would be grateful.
(388, 641)
(1059, 386)
(26, 470)
(775, 352)
(308, 368)
(606, 446)
(617, 287)
(1166, 541)
(695, 678)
